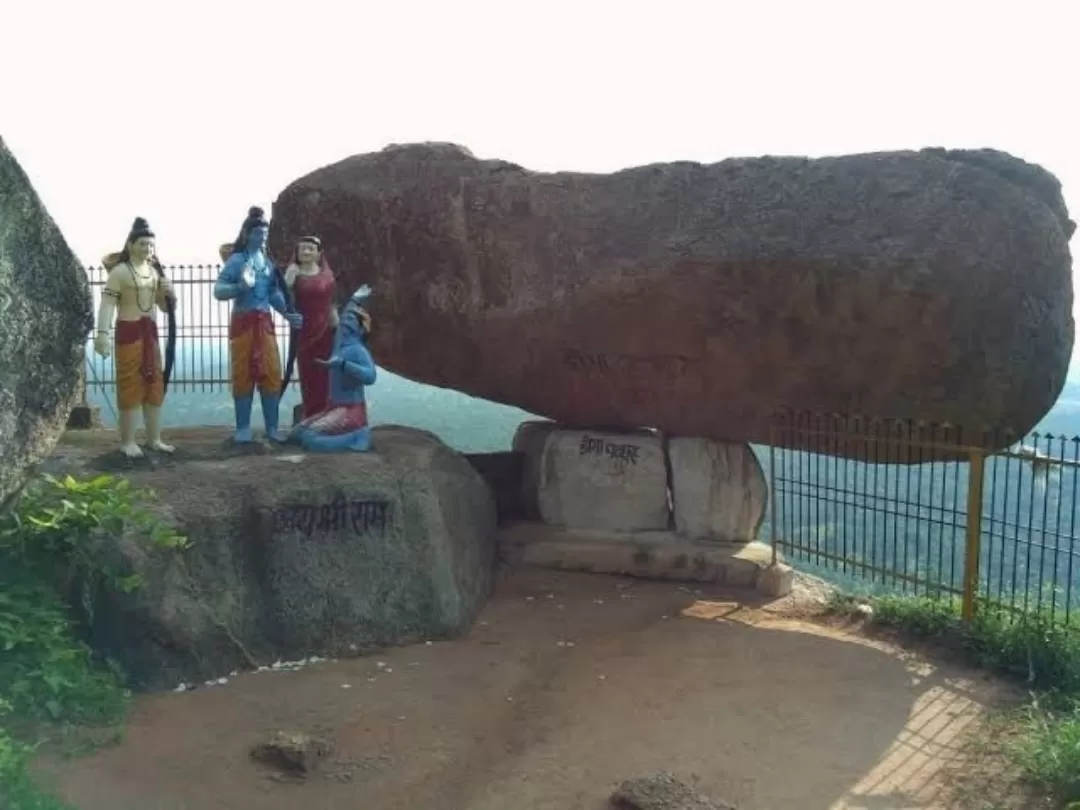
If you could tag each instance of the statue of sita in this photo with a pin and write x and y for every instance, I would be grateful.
(311, 283)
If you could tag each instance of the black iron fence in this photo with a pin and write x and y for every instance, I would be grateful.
(202, 342)
(904, 506)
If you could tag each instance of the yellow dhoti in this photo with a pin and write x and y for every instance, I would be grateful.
(139, 378)
(253, 354)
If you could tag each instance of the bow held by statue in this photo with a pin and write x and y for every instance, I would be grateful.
(170, 316)
(294, 339)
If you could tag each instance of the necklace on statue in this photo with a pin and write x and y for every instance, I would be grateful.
(138, 292)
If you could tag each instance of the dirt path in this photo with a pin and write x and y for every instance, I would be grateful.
(768, 713)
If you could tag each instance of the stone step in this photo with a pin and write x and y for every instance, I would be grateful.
(649, 555)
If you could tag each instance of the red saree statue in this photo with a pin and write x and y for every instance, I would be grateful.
(312, 284)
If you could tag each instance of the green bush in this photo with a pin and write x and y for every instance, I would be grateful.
(1048, 750)
(49, 679)
(1035, 647)
(57, 530)
(18, 790)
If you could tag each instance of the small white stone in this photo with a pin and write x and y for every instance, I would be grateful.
(222, 681)
(181, 688)
(380, 664)
(371, 680)
(598, 601)
(427, 643)
(346, 686)
(663, 617)
(263, 669)
(551, 596)
(560, 643)
(601, 677)
(569, 644)
(233, 674)
(529, 598)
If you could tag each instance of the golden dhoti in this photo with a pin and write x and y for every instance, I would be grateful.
(139, 379)
(253, 354)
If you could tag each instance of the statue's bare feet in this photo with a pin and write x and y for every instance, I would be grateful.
(131, 450)
(158, 446)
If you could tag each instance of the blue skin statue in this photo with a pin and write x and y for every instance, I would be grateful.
(344, 425)
(250, 280)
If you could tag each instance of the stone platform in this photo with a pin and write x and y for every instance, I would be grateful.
(291, 554)
(650, 555)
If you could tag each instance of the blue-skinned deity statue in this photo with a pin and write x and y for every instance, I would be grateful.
(255, 286)
(343, 426)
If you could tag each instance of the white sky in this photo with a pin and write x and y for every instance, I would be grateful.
(190, 112)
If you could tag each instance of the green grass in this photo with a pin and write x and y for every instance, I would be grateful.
(1034, 649)
(53, 688)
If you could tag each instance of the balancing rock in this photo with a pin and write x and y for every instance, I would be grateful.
(699, 299)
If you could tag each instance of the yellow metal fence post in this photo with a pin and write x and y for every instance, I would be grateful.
(973, 546)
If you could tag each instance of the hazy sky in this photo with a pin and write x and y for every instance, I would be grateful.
(187, 113)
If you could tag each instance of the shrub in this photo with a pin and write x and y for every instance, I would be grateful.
(49, 678)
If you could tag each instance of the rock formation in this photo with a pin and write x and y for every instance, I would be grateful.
(45, 319)
(698, 299)
(300, 555)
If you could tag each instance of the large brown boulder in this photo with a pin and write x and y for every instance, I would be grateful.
(930, 285)
(45, 319)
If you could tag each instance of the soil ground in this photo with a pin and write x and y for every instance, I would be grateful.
(569, 684)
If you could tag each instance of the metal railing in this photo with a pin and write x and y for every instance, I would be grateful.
(903, 506)
(202, 334)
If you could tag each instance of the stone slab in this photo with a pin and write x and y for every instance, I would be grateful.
(718, 490)
(598, 480)
(650, 555)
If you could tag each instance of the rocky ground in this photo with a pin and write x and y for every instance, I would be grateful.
(570, 685)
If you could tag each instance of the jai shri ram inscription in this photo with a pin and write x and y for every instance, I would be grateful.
(361, 516)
